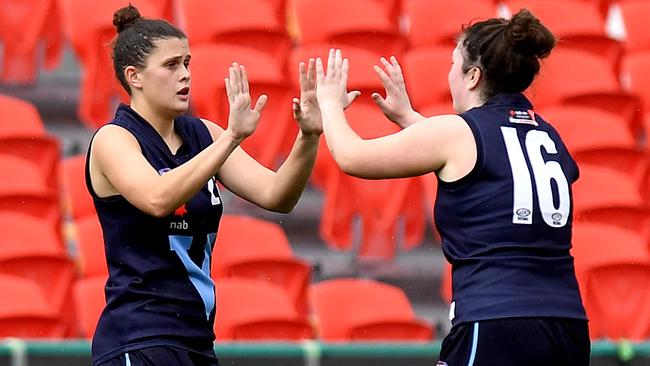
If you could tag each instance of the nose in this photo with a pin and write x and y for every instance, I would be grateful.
(185, 74)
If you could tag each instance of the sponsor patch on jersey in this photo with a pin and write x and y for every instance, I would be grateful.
(526, 117)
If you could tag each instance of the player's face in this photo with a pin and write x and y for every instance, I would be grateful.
(166, 78)
(456, 80)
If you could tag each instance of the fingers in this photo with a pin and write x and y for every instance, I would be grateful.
(320, 73)
(261, 103)
(338, 63)
(331, 63)
(234, 80)
(345, 67)
(244, 79)
(311, 72)
(228, 89)
(385, 79)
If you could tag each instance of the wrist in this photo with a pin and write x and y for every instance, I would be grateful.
(230, 136)
(312, 136)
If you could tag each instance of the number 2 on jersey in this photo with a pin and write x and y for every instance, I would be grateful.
(544, 173)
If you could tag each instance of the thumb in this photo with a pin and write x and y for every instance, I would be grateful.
(261, 103)
(381, 102)
(353, 95)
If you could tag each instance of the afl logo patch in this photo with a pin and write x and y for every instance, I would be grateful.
(523, 212)
(556, 216)
(163, 171)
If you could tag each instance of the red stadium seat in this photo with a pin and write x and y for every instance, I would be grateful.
(577, 24)
(255, 310)
(79, 200)
(341, 23)
(567, 78)
(247, 247)
(636, 78)
(24, 25)
(635, 16)
(89, 300)
(599, 138)
(90, 246)
(24, 312)
(365, 310)
(425, 73)
(89, 28)
(613, 270)
(250, 23)
(19, 118)
(379, 203)
(437, 23)
(209, 100)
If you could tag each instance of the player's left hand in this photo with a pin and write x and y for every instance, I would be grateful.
(305, 109)
(332, 84)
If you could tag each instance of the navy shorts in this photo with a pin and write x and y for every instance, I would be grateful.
(516, 342)
(161, 356)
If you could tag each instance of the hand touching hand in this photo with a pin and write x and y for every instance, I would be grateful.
(397, 105)
(332, 86)
(242, 120)
(305, 109)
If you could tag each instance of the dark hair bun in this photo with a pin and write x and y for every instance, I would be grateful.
(125, 16)
(529, 36)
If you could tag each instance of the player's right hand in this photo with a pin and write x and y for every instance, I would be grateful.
(242, 120)
(397, 105)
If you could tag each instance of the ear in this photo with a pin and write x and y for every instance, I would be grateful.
(132, 76)
(473, 77)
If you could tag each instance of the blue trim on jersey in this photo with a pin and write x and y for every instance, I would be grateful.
(474, 345)
(200, 277)
(127, 359)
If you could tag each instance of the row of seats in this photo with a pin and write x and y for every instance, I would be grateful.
(263, 25)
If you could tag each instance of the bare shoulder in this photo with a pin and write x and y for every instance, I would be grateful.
(446, 125)
(215, 129)
(111, 138)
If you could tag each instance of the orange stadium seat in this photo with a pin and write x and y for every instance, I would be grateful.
(89, 300)
(73, 178)
(23, 190)
(210, 65)
(437, 22)
(19, 118)
(250, 23)
(89, 28)
(341, 23)
(30, 249)
(598, 138)
(636, 78)
(24, 312)
(365, 310)
(347, 197)
(247, 247)
(241, 315)
(425, 73)
(635, 17)
(577, 24)
(567, 78)
(90, 246)
(613, 270)
(24, 25)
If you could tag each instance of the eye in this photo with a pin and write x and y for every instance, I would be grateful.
(187, 64)
(172, 64)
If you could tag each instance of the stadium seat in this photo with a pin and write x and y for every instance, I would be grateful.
(19, 118)
(252, 248)
(437, 22)
(365, 310)
(255, 310)
(425, 73)
(249, 23)
(446, 283)
(89, 29)
(210, 65)
(599, 138)
(31, 250)
(567, 78)
(24, 312)
(589, 190)
(23, 190)
(613, 270)
(89, 300)
(577, 25)
(79, 200)
(379, 203)
(24, 25)
(636, 78)
(90, 246)
(635, 16)
(341, 23)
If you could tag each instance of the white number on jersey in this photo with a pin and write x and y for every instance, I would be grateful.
(543, 171)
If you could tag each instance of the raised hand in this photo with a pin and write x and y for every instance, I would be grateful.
(242, 120)
(332, 85)
(305, 109)
(397, 105)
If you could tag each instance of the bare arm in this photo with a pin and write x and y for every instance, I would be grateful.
(418, 149)
(118, 166)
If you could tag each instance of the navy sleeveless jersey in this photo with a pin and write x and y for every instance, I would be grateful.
(159, 290)
(506, 226)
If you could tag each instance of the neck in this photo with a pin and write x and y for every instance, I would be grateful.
(163, 124)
